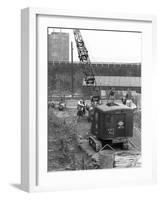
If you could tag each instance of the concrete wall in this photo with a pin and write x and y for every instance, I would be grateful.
(60, 75)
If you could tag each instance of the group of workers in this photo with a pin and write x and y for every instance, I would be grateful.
(111, 98)
(125, 98)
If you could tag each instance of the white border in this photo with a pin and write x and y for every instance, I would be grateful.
(30, 146)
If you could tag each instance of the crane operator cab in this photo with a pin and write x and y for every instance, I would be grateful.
(90, 80)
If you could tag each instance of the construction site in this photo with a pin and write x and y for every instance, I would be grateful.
(94, 109)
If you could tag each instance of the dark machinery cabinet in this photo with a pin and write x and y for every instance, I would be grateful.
(120, 125)
(129, 122)
(112, 123)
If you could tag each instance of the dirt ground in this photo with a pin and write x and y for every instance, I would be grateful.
(63, 133)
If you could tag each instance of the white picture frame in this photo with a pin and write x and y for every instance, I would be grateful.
(33, 143)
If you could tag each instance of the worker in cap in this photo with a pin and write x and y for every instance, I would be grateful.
(111, 96)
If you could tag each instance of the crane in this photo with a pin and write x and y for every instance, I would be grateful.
(84, 58)
(83, 55)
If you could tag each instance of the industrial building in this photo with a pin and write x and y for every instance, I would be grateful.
(118, 82)
(58, 47)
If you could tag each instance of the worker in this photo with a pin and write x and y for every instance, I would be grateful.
(82, 106)
(128, 98)
(124, 99)
(128, 94)
(111, 96)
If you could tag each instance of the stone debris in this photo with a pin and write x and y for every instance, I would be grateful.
(112, 159)
(127, 159)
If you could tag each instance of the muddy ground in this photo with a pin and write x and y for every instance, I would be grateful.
(63, 133)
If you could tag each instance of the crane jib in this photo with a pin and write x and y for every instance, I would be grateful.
(84, 58)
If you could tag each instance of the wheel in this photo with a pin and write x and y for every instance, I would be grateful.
(97, 148)
(96, 144)
(90, 141)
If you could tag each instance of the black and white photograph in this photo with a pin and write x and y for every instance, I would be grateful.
(94, 99)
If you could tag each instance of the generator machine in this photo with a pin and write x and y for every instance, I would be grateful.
(111, 125)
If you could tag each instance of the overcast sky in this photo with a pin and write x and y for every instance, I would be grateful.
(107, 46)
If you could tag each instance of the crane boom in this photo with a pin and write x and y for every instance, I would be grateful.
(84, 58)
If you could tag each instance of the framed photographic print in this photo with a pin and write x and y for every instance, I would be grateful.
(86, 108)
